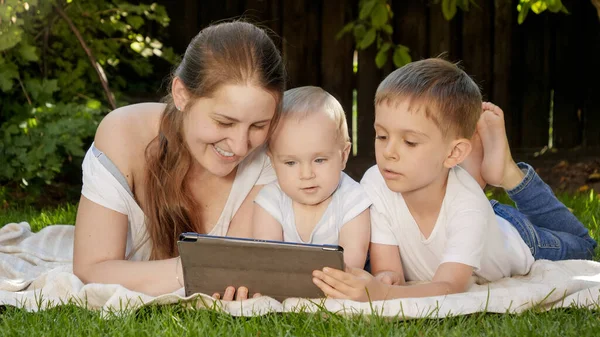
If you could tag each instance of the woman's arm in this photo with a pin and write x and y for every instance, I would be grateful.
(101, 233)
(99, 254)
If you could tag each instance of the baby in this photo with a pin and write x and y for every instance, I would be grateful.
(313, 201)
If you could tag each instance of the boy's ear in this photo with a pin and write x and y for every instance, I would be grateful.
(461, 148)
(180, 93)
(346, 154)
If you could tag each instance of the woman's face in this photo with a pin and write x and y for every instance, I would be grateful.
(221, 130)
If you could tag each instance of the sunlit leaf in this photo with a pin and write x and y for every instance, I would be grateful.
(539, 6)
(137, 46)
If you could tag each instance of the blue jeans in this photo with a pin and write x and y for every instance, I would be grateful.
(550, 230)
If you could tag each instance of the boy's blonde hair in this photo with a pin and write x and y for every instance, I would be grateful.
(438, 84)
(301, 102)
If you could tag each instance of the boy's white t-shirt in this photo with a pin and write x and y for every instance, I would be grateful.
(347, 202)
(467, 231)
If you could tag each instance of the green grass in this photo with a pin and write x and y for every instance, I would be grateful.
(174, 320)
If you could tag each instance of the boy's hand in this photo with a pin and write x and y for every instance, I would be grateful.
(354, 284)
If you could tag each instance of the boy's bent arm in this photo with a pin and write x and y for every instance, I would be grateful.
(265, 226)
(358, 285)
(386, 263)
(354, 237)
(450, 278)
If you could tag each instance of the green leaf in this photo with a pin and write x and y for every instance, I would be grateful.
(449, 9)
(347, 28)
(523, 10)
(379, 15)
(8, 72)
(28, 52)
(359, 32)
(135, 21)
(368, 39)
(388, 29)
(539, 6)
(554, 6)
(401, 56)
(381, 58)
(366, 9)
(385, 47)
(10, 37)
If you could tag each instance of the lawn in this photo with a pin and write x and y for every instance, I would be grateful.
(174, 320)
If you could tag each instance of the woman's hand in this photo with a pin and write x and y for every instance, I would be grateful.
(354, 284)
(231, 293)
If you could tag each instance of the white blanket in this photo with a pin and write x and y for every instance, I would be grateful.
(36, 273)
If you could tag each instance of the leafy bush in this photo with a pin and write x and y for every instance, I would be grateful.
(63, 65)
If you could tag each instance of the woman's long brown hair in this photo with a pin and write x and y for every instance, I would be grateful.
(226, 53)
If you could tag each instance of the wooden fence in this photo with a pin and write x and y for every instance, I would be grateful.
(547, 67)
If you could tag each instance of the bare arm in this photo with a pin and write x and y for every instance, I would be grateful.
(265, 226)
(386, 263)
(354, 237)
(101, 233)
(358, 285)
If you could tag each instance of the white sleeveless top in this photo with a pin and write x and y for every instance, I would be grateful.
(105, 185)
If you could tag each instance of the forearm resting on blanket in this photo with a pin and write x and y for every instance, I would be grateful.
(148, 277)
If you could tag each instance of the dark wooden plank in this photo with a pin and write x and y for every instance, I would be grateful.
(501, 93)
(301, 41)
(444, 36)
(337, 55)
(368, 78)
(477, 29)
(184, 11)
(410, 22)
(266, 14)
(591, 75)
(217, 11)
(535, 47)
(568, 89)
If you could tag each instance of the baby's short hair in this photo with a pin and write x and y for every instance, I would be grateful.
(301, 102)
(438, 84)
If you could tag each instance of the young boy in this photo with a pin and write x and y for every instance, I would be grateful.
(430, 218)
(313, 201)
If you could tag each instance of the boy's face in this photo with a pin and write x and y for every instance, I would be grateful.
(308, 157)
(410, 149)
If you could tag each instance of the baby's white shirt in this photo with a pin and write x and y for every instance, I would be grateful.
(347, 202)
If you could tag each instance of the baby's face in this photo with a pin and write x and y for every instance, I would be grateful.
(308, 157)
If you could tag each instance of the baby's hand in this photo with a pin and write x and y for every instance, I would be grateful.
(240, 295)
(389, 278)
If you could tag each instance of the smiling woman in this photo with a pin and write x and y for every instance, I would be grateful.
(194, 163)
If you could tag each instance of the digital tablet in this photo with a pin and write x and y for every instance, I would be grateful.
(272, 268)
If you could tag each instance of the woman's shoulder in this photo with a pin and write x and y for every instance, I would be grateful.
(125, 132)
